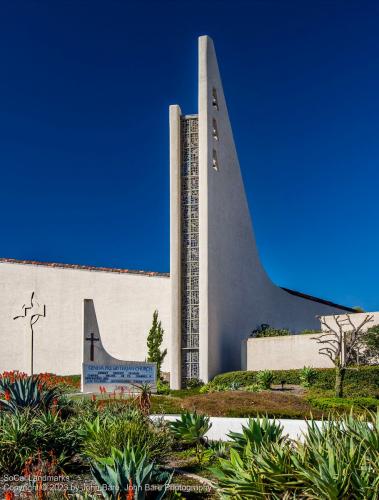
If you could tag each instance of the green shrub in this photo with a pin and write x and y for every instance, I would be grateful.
(265, 379)
(163, 387)
(18, 441)
(253, 388)
(23, 435)
(359, 380)
(105, 433)
(308, 376)
(344, 403)
(192, 383)
(265, 330)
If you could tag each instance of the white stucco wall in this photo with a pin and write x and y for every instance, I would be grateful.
(296, 351)
(124, 306)
(284, 353)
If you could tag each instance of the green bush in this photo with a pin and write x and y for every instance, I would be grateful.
(344, 403)
(193, 383)
(252, 388)
(23, 435)
(105, 433)
(359, 380)
(265, 330)
(163, 387)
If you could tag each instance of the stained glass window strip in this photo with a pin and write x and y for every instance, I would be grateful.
(190, 248)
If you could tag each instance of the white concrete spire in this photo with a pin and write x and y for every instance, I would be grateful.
(235, 295)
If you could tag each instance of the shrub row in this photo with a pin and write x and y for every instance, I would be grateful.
(360, 380)
(344, 404)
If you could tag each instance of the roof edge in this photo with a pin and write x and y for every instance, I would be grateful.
(80, 267)
(316, 299)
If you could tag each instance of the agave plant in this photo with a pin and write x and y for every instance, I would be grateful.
(191, 429)
(28, 393)
(265, 378)
(126, 474)
(258, 432)
(308, 375)
(340, 459)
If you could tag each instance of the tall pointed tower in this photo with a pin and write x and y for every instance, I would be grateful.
(220, 291)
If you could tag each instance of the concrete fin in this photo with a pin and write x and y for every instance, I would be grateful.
(93, 349)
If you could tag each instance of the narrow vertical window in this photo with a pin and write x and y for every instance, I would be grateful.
(215, 161)
(214, 130)
(214, 99)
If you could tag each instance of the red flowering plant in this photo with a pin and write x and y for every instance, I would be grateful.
(36, 469)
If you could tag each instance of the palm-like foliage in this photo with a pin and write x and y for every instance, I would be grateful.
(265, 378)
(100, 435)
(125, 472)
(28, 393)
(190, 429)
(257, 432)
(308, 376)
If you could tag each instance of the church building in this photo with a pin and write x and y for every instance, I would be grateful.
(217, 291)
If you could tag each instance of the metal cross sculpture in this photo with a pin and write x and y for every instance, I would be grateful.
(92, 339)
(32, 313)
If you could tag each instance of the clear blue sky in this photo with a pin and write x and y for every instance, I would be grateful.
(84, 93)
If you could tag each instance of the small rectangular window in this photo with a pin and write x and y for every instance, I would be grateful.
(214, 130)
(215, 164)
(214, 99)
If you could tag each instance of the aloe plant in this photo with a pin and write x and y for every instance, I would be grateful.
(337, 460)
(27, 393)
(265, 378)
(126, 472)
(191, 429)
(308, 376)
(258, 431)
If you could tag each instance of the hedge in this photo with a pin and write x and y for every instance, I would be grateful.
(360, 380)
(344, 404)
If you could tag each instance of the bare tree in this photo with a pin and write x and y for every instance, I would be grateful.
(340, 342)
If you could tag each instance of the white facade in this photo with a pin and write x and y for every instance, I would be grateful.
(217, 293)
(124, 302)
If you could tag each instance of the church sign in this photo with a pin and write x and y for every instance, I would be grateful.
(118, 377)
(102, 371)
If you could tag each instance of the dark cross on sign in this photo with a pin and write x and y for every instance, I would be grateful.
(92, 339)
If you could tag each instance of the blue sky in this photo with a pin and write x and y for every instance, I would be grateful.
(84, 93)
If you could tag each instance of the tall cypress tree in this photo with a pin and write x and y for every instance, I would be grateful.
(154, 342)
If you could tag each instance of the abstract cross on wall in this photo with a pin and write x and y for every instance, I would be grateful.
(31, 313)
